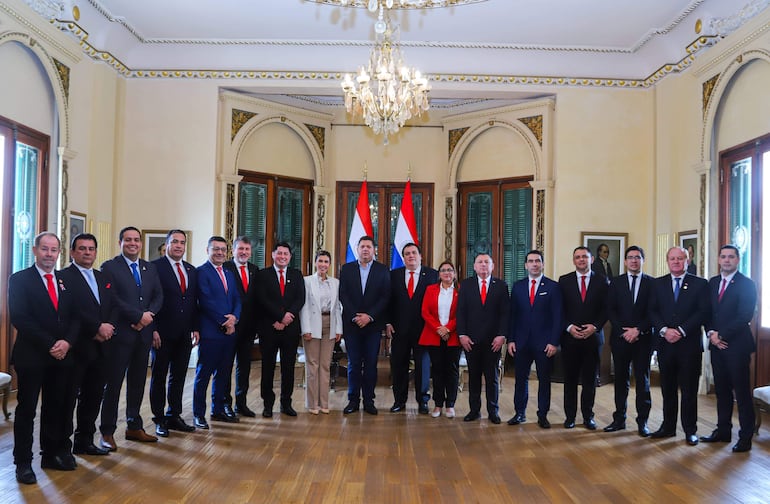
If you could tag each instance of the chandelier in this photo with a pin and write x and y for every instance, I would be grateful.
(386, 93)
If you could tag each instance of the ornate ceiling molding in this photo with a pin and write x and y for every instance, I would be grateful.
(399, 4)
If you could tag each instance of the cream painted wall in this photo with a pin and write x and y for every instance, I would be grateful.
(604, 167)
(495, 154)
(744, 112)
(292, 159)
(25, 92)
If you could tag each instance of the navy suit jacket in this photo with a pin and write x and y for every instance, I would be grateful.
(622, 310)
(133, 301)
(539, 324)
(179, 313)
(732, 316)
(591, 311)
(38, 324)
(483, 322)
(373, 301)
(214, 302)
(406, 313)
(690, 311)
(90, 313)
(273, 306)
(249, 303)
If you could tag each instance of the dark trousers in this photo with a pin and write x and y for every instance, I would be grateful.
(403, 349)
(244, 341)
(445, 370)
(732, 372)
(127, 358)
(271, 344)
(483, 361)
(215, 357)
(581, 358)
(522, 362)
(54, 381)
(170, 360)
(363, 349)
(624, 355)
(89, 378)
(680, 369)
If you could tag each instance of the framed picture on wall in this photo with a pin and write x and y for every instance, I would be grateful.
(688, 240)
(612, 244)
(154, 244)
(77, 224)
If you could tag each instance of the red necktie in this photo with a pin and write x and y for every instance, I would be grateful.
(410, 285)
(52, 291)
(244, 278)
(182, 282)
(532, 293)
(222, 277)
(722, 290)
(483, 292)
(583, 287)
(282, 281)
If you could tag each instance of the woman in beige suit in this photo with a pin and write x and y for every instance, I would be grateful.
(321, 323)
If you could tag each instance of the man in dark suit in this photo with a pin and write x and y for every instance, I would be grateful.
(601, 264)
(731, 343)
(407, 288)
(220, 308)
(534, 335)
(584, 297)
(97, 315)
(40, 309)
(482, 323)
(138, 296)
(680, 309)
(280, 297)
(246, 329)
(177, 328)
(628, 305)
(364, 293)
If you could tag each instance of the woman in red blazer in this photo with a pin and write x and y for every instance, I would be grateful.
(439, 335)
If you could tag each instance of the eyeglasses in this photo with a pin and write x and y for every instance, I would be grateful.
(446, 270)
(634, 258)
(218, 249)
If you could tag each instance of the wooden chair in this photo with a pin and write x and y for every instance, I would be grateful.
(761, 403)
(5, 388)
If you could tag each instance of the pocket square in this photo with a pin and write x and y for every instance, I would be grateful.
(543, 294)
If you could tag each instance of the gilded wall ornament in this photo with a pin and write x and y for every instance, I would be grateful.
(230, 214)
(64, 75)
(540, 219)
(240, 117)
(708, 89)
(320, 225)
(448, 212)
(454, 136)
(535, 125)
(319, 134)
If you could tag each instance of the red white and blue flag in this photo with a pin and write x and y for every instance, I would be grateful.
(406, 228)
(362, 224)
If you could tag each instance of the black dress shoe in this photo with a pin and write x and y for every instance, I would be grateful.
(590, 424)
(518, 418)
(351, 408)
(614, 427)
(423, 408)
(25, 474)
(495, 418)
(56, 462)
(473, 415)
(370, 408)
(89, 449)
(691, 439)
(200, 422)
(716, 437)
(644, 431)
(543, 422)
(288, 410)
(228, 410)
(397, 407)
(243, 410)
(743, 445)
(569, 423)
(222, 417)
(662, 433)
(176, 423)
(267, 412)
(161, 429)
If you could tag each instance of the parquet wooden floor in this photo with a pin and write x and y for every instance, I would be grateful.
(413, 458)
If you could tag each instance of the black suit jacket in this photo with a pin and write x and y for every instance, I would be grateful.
(621, 309)
(374, 301)
(249, 303)
(732, 316)
(483, 322)
(179, 312)
(38, 324)
(591, 311)
(406, 313)
(272, 305)
(90, 313)
(133, 301)
(690, 311)
(598, 267)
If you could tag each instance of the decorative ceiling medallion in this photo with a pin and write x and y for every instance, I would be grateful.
(396, 4)
(76, 13)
